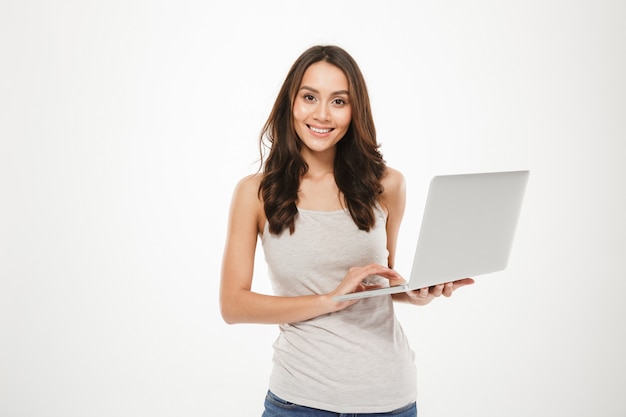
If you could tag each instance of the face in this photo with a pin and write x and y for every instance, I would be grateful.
(321, 111)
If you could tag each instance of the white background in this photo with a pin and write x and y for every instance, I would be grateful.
(124, 126)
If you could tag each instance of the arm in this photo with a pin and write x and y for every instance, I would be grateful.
(394, 199)
(238, 303)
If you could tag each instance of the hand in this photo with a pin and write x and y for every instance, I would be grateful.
(353, 282)
(424, 296)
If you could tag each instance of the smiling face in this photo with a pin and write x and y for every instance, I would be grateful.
(321, 110)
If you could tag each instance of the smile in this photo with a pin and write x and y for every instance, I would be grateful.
(318, 130)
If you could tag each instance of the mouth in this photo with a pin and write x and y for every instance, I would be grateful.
(319, 130)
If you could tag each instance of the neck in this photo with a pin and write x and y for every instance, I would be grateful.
(319, 164)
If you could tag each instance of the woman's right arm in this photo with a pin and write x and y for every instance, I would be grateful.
(238, 303)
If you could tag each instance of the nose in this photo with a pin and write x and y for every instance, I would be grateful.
(322, 112)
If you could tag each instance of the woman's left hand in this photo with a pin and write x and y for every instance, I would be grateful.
(426, 295)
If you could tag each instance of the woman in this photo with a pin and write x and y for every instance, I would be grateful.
(327, 210)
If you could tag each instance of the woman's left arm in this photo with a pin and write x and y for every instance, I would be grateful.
(394, 200)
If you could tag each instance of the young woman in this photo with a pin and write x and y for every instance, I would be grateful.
(327, 210)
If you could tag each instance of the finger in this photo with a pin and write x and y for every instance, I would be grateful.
(366, 287)
(462, 283)
(357, 275)
(418, 295)
(436, 290)
(376, 269)
(392, 275)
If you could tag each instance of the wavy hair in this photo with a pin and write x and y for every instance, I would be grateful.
(358, 166)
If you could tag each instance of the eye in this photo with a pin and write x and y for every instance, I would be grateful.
(340, 102)
(308, 97)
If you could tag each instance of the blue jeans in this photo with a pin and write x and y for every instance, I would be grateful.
(277, 407)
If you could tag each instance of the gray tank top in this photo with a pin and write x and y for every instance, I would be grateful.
(357, 360)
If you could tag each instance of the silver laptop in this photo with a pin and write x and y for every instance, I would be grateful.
(467, 229)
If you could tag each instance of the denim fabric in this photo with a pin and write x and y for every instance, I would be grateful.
(277, 407)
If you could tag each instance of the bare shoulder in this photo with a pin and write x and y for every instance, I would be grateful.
(249, 185)
(394, 191)
(246, 200)
(393, 182)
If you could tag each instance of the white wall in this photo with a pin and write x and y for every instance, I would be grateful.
(125, 125)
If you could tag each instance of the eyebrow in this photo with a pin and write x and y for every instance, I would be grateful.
(345, 92)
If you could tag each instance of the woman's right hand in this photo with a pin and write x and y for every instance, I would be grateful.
(354, 282)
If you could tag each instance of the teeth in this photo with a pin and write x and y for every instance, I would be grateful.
(316, 130)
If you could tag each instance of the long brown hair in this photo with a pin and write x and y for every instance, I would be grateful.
(358, 167)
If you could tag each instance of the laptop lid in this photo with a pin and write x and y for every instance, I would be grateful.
(468, 226)
(467, 229)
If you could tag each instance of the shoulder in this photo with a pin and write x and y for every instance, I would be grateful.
(393, 182)
(246, 200)
(249, 185)
(394, 190)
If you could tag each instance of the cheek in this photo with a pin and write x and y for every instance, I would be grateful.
(297, 119)
(298, 112)
(346, 119)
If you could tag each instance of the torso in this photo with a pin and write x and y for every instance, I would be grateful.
(360, 350)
